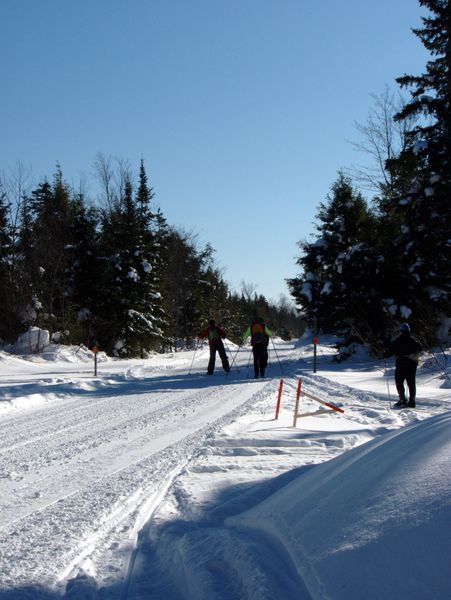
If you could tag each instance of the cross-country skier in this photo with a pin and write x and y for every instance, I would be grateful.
(215, 335)
(260, 335)
(405, 348)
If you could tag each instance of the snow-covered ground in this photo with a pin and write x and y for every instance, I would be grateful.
(152, 480)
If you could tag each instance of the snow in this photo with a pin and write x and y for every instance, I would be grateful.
(152, 480)
(419, 146)
(133, 274)
(405, 312)
(306, 290)
(327, 288)
(147, 267)
(33, 340)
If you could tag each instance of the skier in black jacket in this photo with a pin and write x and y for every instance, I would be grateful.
(406, 349)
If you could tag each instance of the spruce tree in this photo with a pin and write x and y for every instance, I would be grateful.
(131, 319)
(424, 240)
(84, 272)
(337, 285)
(193, 287)
(180, 281)
(47, 221)
(152, 240)
(6, 284)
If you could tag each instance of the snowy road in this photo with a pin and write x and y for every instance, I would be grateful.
(85, 462)
(75, 468)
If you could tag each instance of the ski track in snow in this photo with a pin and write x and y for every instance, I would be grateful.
(83, 477)
(98, 459)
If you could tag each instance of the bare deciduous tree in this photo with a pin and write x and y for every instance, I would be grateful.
(382, 139)
(112, 174)
(248, 290)
(16, 186)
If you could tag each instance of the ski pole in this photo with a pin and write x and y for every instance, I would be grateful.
(194, 356)
(227, 349)
(249, 361)
(388, 385)
(437, 362)
(234, 358)
(275, 351)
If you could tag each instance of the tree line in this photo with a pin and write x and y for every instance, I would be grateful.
(117, 275)
(372, 265)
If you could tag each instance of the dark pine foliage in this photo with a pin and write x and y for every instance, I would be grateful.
(368, 270)
(118, 278)
(340, 267)
(425, 240)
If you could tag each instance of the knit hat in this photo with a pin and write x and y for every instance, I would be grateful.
(405, 327)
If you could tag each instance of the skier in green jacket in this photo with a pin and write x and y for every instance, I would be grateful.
(260, 335)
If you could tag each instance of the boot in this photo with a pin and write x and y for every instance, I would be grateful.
(400, 404)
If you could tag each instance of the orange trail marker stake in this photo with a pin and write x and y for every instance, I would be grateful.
(328, 404)
(95, 350)
(278, 398)
(298, 395)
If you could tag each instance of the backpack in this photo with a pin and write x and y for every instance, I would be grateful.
(257, 333)
(213, 334)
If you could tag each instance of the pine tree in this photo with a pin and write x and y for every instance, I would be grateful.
(337, 283)
(46, 218)
(153, 235)
(6, 306)
(424, 240)
(15, 247)
(84, 272)
(193, 287)
(181, 279)
(131, 319)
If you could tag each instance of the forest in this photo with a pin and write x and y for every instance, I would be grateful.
(374, 264)
(114, 275)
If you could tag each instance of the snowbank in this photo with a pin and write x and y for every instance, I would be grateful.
(372, 523)
(32, 341)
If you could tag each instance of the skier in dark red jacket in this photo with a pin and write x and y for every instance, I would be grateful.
(215, 335)
(406, 349)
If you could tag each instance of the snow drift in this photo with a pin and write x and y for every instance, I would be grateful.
(372, 523)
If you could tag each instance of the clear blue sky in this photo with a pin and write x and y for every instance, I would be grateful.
(241, 109)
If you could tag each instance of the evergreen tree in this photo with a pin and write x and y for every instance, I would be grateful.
(337, 285)
(5, 270)
(131, 319)
(84, 272)
(424, 238)
(153, 236)
(110, 277)
(193, 287)
(45, 240)
(182, 285)
(15, 252)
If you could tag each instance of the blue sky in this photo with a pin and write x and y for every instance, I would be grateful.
(242, 109)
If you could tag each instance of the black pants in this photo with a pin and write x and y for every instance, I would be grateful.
(260, 352)
(405, 371)
(219, 347)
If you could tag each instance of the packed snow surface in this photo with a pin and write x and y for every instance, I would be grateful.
(152, 480)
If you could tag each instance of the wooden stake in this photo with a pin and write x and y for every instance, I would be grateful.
(298, 395)
(328, 404)
(278, 398)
